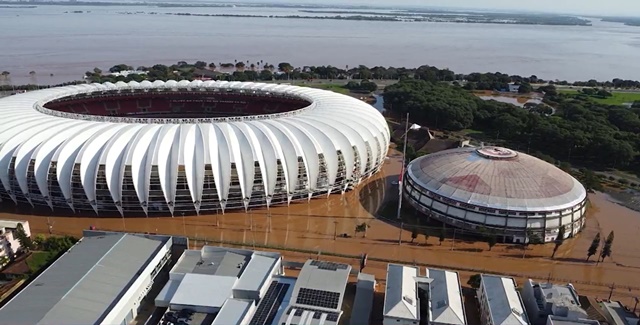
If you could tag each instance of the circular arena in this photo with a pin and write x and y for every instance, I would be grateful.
(497, 189)
(184, 147)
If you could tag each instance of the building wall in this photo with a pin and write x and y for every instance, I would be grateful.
(129, 303)
(536, 316)
(485, 315)
(9, 244)
(398, 321)
(513, 224)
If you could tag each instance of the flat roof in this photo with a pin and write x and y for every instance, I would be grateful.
(213, 262)
(12, 223)
(363, 301)
(204, 290)
(400, 299)
(446, 298)
(325, 276)
(619, 314)
(505, 305)
(555, 320)
(82, 286)
(233, 312)
(256, 273)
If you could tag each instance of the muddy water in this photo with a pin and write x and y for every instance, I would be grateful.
(314, 226)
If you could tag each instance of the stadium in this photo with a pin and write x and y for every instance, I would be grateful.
(497, 189)
(184, 147)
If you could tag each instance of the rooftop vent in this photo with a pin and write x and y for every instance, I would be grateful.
(408, 300)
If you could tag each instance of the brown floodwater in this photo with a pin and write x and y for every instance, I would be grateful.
(313, 226)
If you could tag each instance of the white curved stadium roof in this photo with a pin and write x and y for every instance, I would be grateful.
(332, 122)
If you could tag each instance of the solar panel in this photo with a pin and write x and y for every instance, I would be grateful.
(317, 314)
(318, 298)
(322, 265)
(268, 307)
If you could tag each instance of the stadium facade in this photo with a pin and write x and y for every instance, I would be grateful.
(184, 147)
(497, 189)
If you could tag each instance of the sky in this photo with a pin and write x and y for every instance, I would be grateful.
(582, 7)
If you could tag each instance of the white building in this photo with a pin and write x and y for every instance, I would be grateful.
(617, 314)
(545, 299)
(100, 280)
(9, 244)
(405, 289)
(555, 320)
(500, 302)
(445, 298)
(317, 295)
(219, 280)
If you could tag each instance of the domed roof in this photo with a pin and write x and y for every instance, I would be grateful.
(497, 178)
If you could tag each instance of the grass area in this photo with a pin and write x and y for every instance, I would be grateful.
(38, 259)
(618, 98)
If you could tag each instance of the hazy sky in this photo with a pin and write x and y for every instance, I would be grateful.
(591, 7)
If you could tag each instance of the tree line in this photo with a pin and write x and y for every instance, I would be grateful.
(246, 70)
(581, 131)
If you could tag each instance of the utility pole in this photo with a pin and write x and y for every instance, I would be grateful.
(400, 233)
(454, 238)
(184, 225)
(611, 291)
(335, 230)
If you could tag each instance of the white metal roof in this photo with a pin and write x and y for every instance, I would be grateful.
(331, 122)
(446, 298)
(520, 183)
(400, 299)
(83, 284)
(204, 290)
(233, 312)
(256, 273)
(504, 303)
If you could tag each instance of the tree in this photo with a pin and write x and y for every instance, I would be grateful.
(38, 241)
(603, 93)
(443, 231)
(588, 91)
(266, 75)
(593, 249)
(25, 241)
(240, 66)
(414, 234)
(492, 240)
(559, 240)
(200, 64)
(532, 239)
(525, 88)
(212, 66)
(475, 281)
(606, 248)
(426, 237)
(362, 228)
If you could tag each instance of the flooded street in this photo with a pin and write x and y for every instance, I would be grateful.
(315, 227)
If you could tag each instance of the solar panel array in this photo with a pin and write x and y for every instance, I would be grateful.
(268, 307)
(318, 298)
(328, 265)
(331, 316)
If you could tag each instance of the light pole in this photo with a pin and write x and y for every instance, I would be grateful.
(404, 158)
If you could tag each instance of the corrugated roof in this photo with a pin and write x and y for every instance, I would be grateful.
(504, 303)
(400, 299)
(233, 312)
(81, 286)
(521, 182)
(446, 298)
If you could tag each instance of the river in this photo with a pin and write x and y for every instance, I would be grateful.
(61, 46)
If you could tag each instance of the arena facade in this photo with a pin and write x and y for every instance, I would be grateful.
(184, 147)
(498, 189)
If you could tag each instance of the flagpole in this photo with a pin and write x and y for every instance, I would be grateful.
(404, 155)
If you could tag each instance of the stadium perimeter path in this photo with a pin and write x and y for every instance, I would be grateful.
(312, 227)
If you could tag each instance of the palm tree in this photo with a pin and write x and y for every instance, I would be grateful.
(593, 249)
(253, 67)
